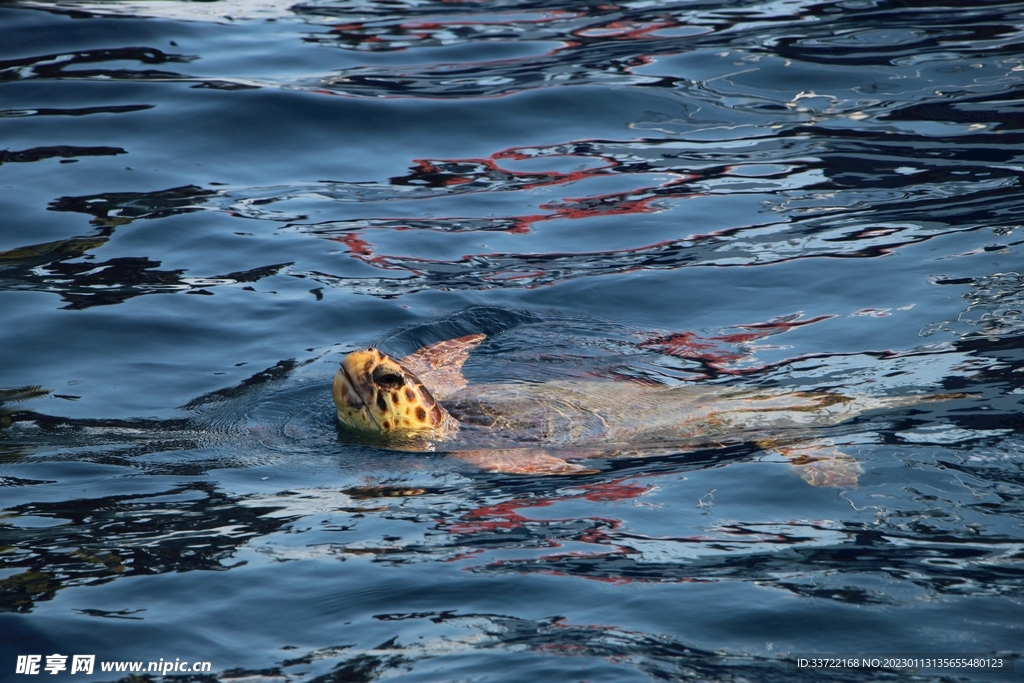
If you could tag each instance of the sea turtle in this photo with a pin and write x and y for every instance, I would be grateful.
(423, 402)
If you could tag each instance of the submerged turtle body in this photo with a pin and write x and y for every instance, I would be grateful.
(623, 416)
(423, 402)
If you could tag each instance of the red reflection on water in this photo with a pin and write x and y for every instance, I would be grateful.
(357, 247)
(610, 556)
(551, 25)
(505, 515)
(472, 175)
(500, 516)
(624, 30)
(692, 346)
(718, 352)
(597, 532)
(614, 490)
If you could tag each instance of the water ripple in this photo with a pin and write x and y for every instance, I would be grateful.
(797, 195)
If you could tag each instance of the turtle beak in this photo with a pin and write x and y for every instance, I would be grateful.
(350, 392)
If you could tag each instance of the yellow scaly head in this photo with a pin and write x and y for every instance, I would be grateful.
(372, 392)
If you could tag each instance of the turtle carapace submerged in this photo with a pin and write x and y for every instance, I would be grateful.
(423, 402)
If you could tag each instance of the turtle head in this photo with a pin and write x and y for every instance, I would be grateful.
(374, 393)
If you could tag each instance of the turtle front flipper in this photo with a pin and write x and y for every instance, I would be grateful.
(439, 365)
(820, 463)
(520, 461)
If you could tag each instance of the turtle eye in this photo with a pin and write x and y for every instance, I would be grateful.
(386, 378)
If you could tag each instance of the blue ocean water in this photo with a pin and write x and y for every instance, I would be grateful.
(206, 204)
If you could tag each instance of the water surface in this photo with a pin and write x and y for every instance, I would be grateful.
(205, 205)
